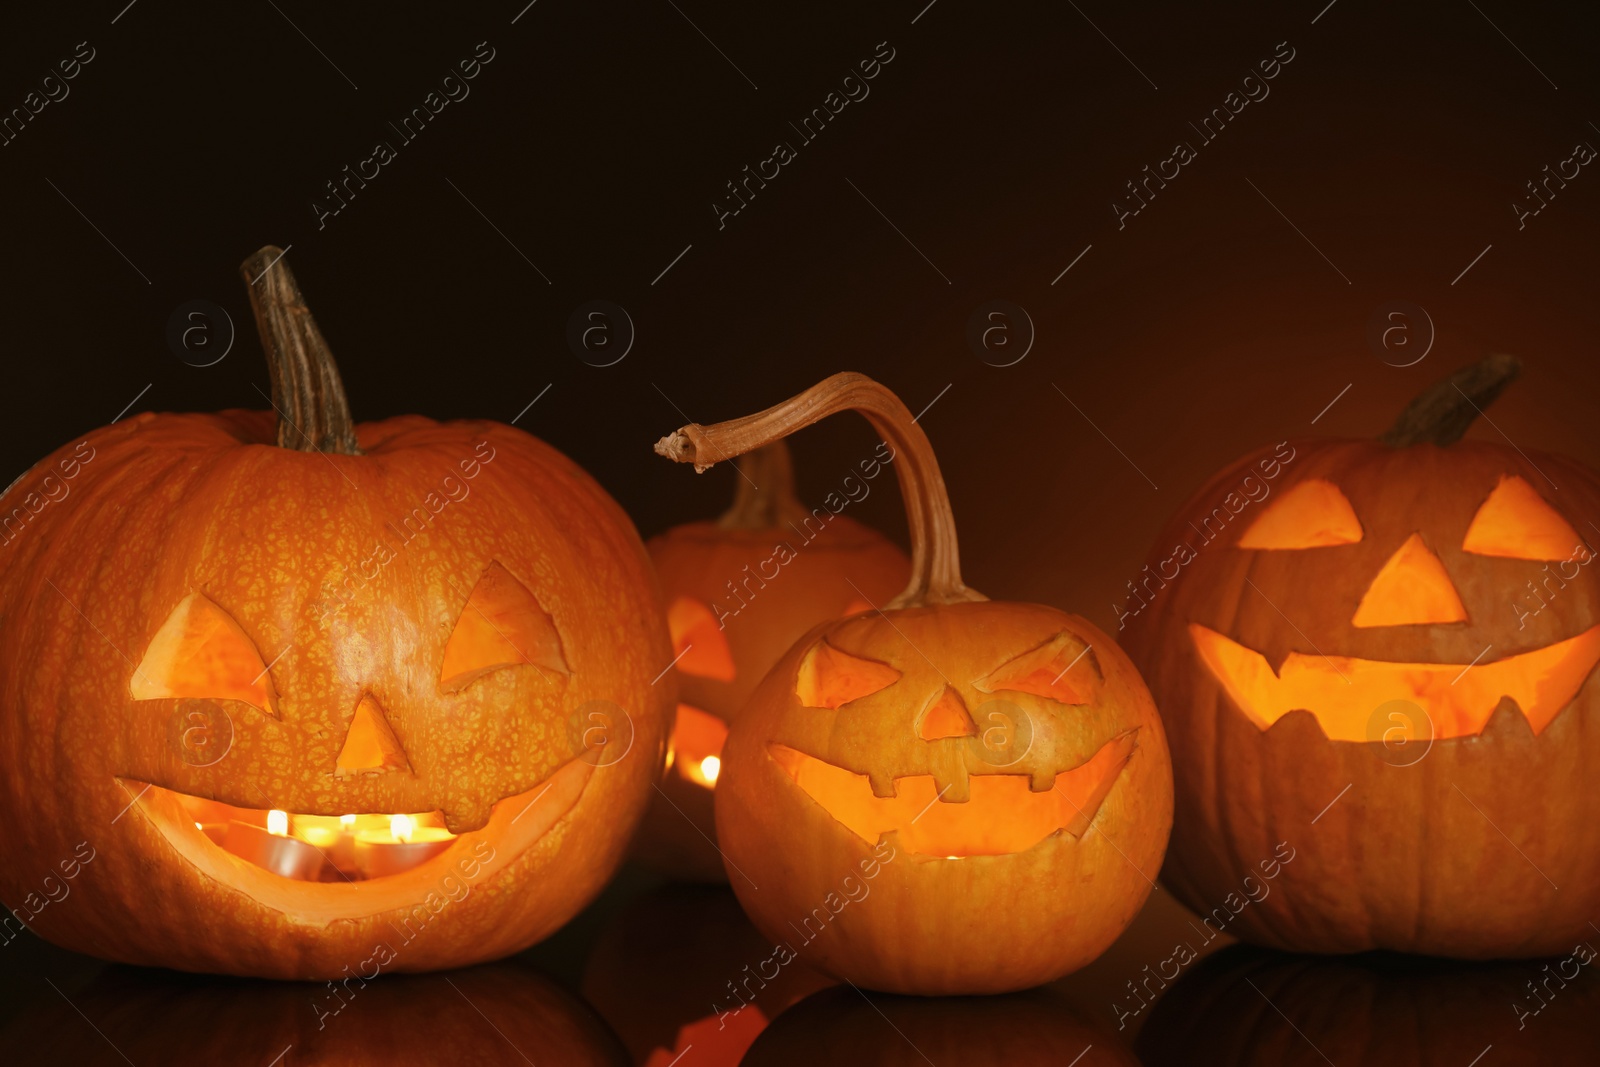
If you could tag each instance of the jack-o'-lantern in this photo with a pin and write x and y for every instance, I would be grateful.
(946, 794)
(1251, 1007)
(739, 592)
(1035, 1027)
(289, 697)
(1379, 653)
(498, 1014)
(682, 968)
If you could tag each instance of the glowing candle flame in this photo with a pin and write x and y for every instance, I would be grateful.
(347, 822)
(710, 767)
(401, 827)
(278, 822)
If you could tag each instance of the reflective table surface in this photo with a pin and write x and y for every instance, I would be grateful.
(675, 976)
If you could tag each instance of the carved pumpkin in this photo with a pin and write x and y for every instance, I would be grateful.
(499, 1014)
(1380, 652)
(325, 705)
(1248, 1007)
(681, 969)
(739, 592)
(1036, 1027)
(947, 794)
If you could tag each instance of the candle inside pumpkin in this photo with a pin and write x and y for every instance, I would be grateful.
(404, 845)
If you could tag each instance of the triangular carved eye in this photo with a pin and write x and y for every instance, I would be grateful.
(829, 678)
(1063, 669)
(371, 746)
(1312, 514)
(698, 642)
(502, 625)
(1517, 523)
(946, 716)
(202, 652)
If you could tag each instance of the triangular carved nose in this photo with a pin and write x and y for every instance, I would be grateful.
(946, 716)
(371, 746)
(1411, 588)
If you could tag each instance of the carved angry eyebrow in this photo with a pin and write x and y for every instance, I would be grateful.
(830, 677)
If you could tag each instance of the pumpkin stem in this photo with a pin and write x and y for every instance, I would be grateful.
(1442, 413)
(313, 414)
(764, 496)
(935, 562)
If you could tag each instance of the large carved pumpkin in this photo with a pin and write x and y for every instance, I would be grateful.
(739, 592)
(1380, 655)
(289, 697)
(503, 1014)
(1249, 1007)
(947, 794)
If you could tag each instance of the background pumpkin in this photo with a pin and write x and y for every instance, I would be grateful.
(1245, 1007)
(1356, 667)
(435, 621)
(947, 795)
(739, 591)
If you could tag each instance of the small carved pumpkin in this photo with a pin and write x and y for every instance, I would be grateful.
(739, 592)
(946, 794)
(296, 698)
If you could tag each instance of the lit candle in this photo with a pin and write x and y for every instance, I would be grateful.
(273, 849)
(403, 846)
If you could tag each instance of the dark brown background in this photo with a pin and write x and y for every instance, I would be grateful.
(996, 140)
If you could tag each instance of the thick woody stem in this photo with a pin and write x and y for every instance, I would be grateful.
(1442, 414)
(313, 414)
(764, 496)
(935, 562)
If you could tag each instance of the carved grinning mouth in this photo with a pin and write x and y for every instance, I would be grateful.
(302, 863)
(1003, 814)
(1343, 691)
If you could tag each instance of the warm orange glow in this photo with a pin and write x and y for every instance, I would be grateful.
(1517, 523)
(1062, 669)
(502, 625)
(199, 652)
(829, 677)
(694, 627)
(1002, 815)
(401, 827)
(278, 822)
(1343, 691)
(370, 746)
(1311, 514)
(697, 737)
(946, 716)
(1412, 588)
(717, 1040)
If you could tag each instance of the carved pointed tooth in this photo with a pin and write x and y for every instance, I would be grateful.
(882, 785)
(1298, 723)
(952, 788)
(1041, 782)
(1507, 721)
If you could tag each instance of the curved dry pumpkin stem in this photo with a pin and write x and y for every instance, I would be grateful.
(764, 495)
(935, 562)
(1442, 413)
(313, 414)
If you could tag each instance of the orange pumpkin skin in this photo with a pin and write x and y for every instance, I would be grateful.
(1401, 845)
(432, 1020)
(925, 923)
(1034, 1027)
(349, 573)
(1375, 1010)
(844, 566)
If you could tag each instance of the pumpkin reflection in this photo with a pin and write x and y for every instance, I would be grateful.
(683, 967)
(1038, 1026)
(500, 1014)
(1247, 1006)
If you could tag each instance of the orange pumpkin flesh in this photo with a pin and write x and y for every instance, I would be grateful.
(947, 795)
(740, 591)
(224, 657)
(1431, 766)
